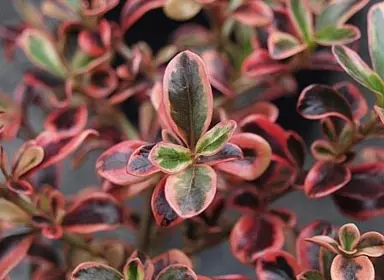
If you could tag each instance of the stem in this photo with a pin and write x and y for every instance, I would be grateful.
(144, 234)
(290, 237)
(126, 126)
(210, 241)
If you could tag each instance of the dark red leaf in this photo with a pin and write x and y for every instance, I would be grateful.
(252, 236)
(337, 129)
(279, 176)
(325, 178)
(274, 265)
(263, 108)
(14, 246)
(46, 86)
(287, 216)
(354, 97)
(308, 254)
(163, 213)
(257, 156)
(246, 199)
(95, 43)
(360, 209)
(212, 215)
(296, 148)
(58, 146)
(49, 176)
(228, 153)
(259, 63)
(112, 164)
(319, 101)
(371, 176)
(219, 71)
(102, 83)
(271, 132)
(69, 121)
(95, 212)
(40, 253)
(139, 163)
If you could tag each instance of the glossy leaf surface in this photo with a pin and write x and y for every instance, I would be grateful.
(252, 236)
(42, 51)
(215, 139)
(170, 158)
(188, 96)
(191, 191)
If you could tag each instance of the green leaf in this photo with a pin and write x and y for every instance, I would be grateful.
(376, 37)
(30, 155)
(134, 270)
(41, 51)
(302, 19)
(188, 99)
(10, 212)
(349, 236)
(359, 70)
(338, 12)
(170, 158)
(283, 45)
(80, 60)
(335, 35)
(191, 191)
(213, 140)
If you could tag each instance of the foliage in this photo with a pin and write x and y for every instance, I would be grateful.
(207, 142)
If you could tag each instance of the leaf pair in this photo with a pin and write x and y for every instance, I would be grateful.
(29, 156)
(352, 251)
(42, 51)
(172, 264)
(46, 150)
(339, 108)
(171, 158)
(328, 30)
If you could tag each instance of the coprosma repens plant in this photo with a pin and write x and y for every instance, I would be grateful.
(206, 155)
